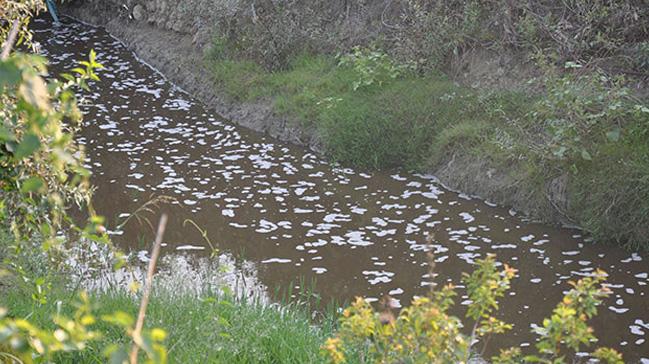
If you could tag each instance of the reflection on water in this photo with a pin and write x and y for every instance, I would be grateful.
(178, 273)
(292, 215)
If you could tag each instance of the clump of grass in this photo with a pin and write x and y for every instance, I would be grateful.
(612, 195)
(241, 80)
(201, 329)
(462, 137)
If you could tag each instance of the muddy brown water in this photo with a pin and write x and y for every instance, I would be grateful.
(294, 217)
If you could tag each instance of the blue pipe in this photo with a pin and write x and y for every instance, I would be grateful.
(51, 8)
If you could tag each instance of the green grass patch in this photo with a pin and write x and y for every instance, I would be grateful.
(242, 80)
(612, 195)
(200, 329)
(374, 127)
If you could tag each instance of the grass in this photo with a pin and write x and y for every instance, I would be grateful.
(203, 329)
(422, 121)
(366, 127)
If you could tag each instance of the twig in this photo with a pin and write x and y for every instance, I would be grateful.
(6, 49)
(385, 9)
(203, 234)
(137, 333)
(146, 208)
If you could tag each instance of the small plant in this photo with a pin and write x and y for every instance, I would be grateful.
(24, 342)
(578, 110)
(372, 67)
(426, 333)
(567, 328)
(28, 342)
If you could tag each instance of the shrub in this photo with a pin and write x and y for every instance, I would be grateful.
(580, 112)
(426, 333)
(41, 175)
(372, 67)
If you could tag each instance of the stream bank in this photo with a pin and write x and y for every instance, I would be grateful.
(176, 40)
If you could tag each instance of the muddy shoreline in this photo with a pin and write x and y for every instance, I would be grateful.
(179, 57)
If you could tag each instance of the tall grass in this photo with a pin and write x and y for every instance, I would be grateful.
(201, 329)
(374, 127)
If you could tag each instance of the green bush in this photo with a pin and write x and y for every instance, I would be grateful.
(41, 177)
(426, 333)
(372, 67)
(593, 130)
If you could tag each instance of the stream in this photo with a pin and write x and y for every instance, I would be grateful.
(293, 218)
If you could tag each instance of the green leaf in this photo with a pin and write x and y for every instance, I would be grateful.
(79, 70)
(116, 354)
(68, 77)
(32, 184)
(6, 134)
(585, 155)
(27, 146)
(560, 152)
(10, 74)
(119, 318)
(158, 334)
(34, 91)
(614, 135)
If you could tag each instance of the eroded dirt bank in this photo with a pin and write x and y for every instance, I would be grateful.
(175, 43)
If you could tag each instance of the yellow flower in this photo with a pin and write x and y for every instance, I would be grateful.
(332, 347)
(509, 271)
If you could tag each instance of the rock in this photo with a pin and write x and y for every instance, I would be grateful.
(138, 12)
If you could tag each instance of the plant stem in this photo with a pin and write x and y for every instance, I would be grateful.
(137, 333)
(6, 49)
